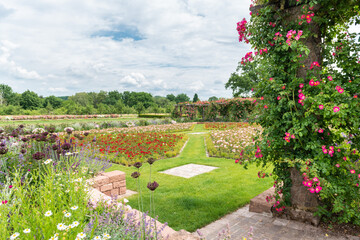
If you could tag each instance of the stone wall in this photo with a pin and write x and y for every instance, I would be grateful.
(110, 183)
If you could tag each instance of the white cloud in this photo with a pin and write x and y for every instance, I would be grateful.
(9, 66)
(186, 46)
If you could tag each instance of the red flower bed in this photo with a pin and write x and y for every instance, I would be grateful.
(128, 148)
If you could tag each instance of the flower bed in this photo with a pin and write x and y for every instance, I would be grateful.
(36, 117)
(224, 125)
(128, 148)
(166, 128)
(230, 143)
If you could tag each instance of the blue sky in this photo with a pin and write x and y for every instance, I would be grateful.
(173, 46)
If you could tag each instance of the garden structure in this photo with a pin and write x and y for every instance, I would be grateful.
(309, 88)
(220, 110)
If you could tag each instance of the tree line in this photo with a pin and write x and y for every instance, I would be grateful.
(112, 102)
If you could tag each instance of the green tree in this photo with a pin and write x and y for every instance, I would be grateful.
(171, 97)
(196, 98)
(140, 97)
(113, 97)
(55, 102)
(161, 101)
(140, 108)
(244, 79)
(213, 98)
(182, 97)
(7, 96)
(119, 106)
(81, 98)
(30, 100)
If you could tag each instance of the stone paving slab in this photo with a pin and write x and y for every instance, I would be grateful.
(189, 170)
(265, 227)
(198, 133)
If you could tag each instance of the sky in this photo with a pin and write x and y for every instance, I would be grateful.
(60, 47)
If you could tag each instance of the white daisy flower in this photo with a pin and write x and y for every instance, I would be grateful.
(61, 226)
(14, 236)
(48, 161)
(78, 180)
(74, 207)
(75, 224)
(67, 215)
(106, 236)
(97, 238)
(81, 235)
(27, 230)
(48, 214)
(68, 154)
(125, 200)
(53, 238)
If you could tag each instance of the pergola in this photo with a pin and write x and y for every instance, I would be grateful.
(191, 109)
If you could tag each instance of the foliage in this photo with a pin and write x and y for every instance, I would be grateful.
(29, 100)
(85, 103)
(244, 80)
(220, 110)
(182, 97)
(196, 98)
(309, 99)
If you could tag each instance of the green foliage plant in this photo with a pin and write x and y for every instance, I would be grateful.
(310, 108)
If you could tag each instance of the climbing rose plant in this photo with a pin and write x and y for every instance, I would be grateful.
(310, 121)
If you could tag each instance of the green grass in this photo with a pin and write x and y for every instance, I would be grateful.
(59, 121)
(195, 202)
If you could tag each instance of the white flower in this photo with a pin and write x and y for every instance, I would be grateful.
(74, 207)
(53, 238)
(125, 200)
(81, 235)
(14, 236)
(78, 180)
(67, 215)
(74, 224)
(61, 226)
(27, 230)
(97, 238)
(68, 154)
(48, 214)
(68, 128)
(106, 236)
(48, 161)
(38, 130)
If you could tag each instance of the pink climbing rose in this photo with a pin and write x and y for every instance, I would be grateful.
(336, 109)
(321, 106)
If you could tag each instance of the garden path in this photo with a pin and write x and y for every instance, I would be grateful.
(265, 226)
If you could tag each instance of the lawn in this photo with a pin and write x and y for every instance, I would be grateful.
(195, 202)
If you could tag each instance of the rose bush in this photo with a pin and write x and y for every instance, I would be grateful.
(309, 70)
